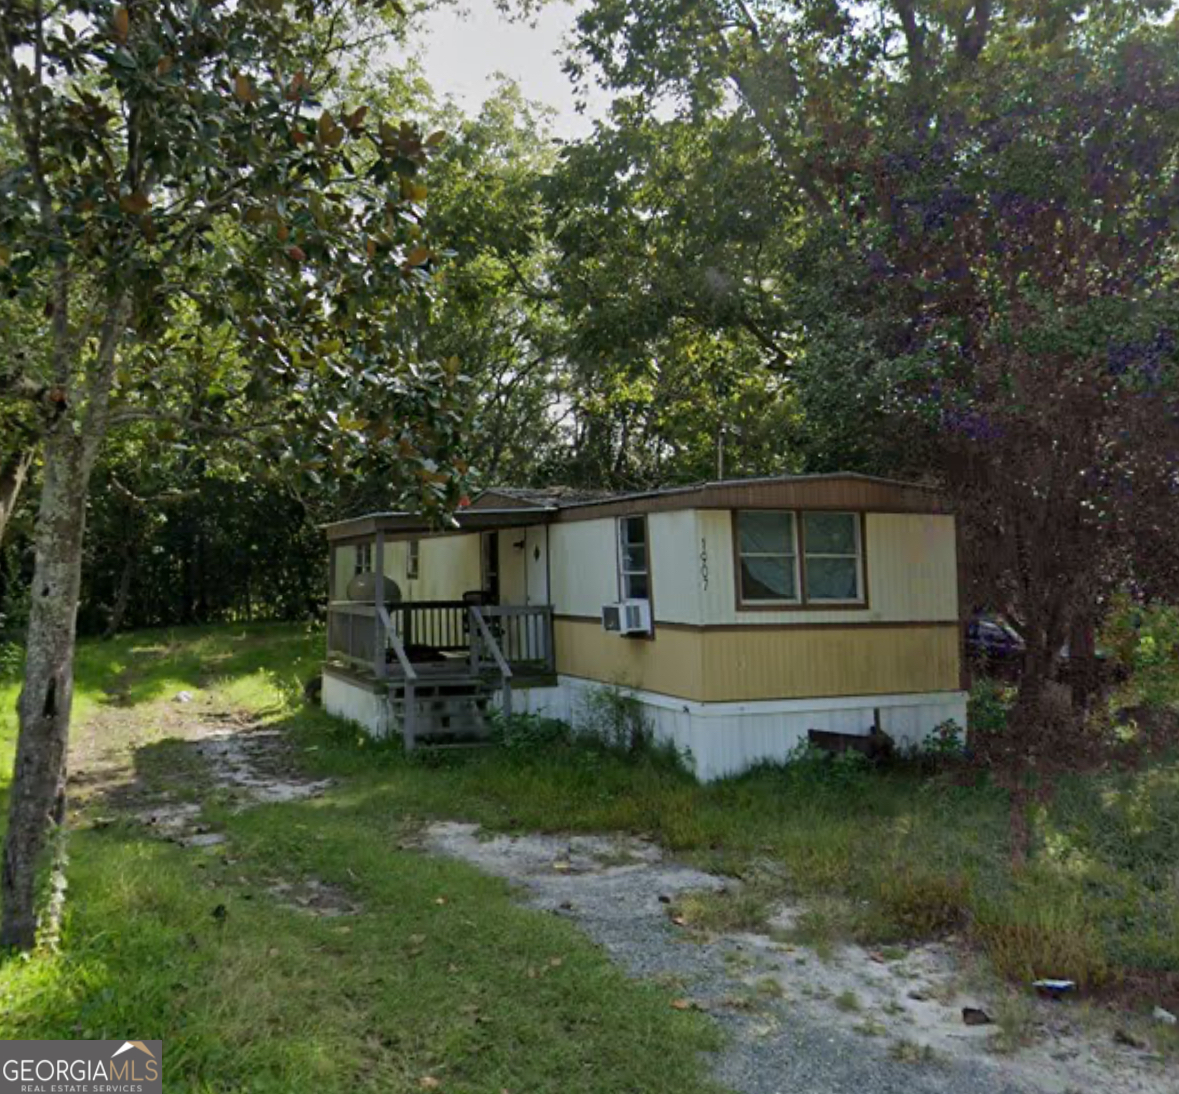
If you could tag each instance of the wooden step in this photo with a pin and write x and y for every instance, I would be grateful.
(441, 746)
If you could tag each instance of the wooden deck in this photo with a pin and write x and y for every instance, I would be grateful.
(442, 660)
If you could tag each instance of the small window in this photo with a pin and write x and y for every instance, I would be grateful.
(412, 559)
(767, 550)
(364, 558)
(831, 543)
(634, 568)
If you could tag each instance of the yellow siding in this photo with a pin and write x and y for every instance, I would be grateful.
(670, 664)
(779, 663)
(786, 664)
(911, 567)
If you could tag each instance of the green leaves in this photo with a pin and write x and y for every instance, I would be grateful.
(184, 171)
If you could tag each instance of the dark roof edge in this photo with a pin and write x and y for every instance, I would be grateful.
(700, 487)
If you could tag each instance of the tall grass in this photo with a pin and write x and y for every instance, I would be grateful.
(883, 855)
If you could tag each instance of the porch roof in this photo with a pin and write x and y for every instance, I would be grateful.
(466, 520)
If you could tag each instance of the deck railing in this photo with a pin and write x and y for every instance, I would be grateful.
(435, 633)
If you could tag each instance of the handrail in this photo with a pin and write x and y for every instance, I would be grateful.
(398, 649)
(485, 631)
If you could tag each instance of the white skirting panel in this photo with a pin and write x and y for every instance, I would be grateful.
(356, 703)
(726, 738)
(721, 738)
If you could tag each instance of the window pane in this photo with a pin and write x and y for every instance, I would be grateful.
(765, 532)
(634, 530)
(635, 586)
(767, 579)
(831, 579)
(634, 556)
(830, 533)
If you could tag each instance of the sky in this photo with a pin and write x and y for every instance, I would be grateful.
(464, 48)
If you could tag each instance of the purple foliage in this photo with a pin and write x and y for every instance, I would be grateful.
(971, 423)
(1147, 359)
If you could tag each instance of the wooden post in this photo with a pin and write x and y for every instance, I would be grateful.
(409, 711)
(380, 666)
(331, 594)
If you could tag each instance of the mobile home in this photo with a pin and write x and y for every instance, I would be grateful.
(739, 614)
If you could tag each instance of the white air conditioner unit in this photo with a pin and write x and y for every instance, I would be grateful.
(627, 617)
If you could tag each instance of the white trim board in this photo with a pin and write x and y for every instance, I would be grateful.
(771, 706)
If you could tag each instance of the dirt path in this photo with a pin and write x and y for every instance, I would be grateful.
(859, 1022)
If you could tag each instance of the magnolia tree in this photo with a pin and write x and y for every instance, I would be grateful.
(195, 161)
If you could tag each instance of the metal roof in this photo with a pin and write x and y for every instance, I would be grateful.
(533, 505)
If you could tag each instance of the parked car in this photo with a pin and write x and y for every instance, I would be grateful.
(994, 644)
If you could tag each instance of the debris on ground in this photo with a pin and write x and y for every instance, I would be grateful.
(1160, 1014)
(1054, 989)
(975, 1016)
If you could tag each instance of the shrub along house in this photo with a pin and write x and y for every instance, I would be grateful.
(739, 614)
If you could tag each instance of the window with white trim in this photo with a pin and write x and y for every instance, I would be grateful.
(364, 559)
(634, 565)
(832, 562)
(413, 559)
(767, 556)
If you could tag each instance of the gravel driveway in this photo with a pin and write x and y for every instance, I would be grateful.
(795, 1038)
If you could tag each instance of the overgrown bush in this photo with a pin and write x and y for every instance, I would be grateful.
(987, 707)
(527, 733)
(945, 741)
(808, 766)
(12, 659)
(615, 719)
(1144, 641)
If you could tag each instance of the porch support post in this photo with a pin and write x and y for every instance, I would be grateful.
(380, 667)
(331, 617)
(409, 715)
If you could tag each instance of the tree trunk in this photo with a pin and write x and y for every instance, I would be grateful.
(123, 595)
(13, 474)
(37, 807)
(39, 775)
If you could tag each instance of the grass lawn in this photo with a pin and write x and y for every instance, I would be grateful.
(442, 982)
